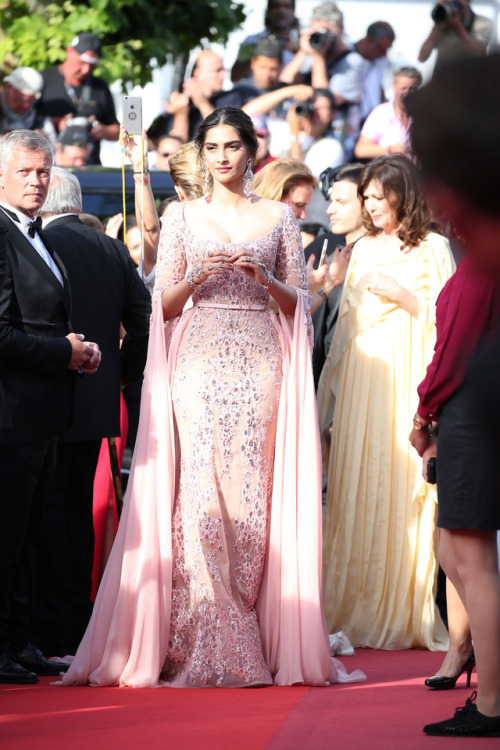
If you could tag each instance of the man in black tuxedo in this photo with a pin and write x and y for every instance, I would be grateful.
(106, 291)
(38, 351)
(344, 210)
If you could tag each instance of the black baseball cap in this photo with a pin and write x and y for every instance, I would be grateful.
(268, 46)
(87, 42)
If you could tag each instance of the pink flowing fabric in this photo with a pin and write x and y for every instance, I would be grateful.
(215, 575)
(126, 642)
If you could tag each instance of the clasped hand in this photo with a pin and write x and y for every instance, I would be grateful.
(85, 355)
(382, 285)
(221, 264)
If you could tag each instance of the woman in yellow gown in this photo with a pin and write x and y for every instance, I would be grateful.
(379, 536)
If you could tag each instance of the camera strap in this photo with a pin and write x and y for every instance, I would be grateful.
(81, 102)
(331, 64)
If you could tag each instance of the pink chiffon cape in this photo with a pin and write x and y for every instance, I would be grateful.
(126, 642)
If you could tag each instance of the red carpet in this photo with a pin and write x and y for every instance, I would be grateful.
(388, 711)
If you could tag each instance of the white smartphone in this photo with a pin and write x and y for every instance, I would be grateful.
(323, 253)
(132, 114)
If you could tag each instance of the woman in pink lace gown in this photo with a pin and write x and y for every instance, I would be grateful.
(215, 576)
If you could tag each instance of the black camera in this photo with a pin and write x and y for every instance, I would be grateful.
(303, 109)
(81, 122)
(443, 11)
(321, 39)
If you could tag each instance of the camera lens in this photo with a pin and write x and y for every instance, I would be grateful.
(316, 40)
(439, 13)
(321, 39)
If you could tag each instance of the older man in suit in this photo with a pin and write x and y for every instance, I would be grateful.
(106, 291)
(38, 353)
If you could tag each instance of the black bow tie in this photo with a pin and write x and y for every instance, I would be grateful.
(35, 226)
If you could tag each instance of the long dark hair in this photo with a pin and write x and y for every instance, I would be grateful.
(237, 119)
(399, 179)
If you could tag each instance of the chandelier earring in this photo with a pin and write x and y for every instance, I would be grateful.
(248, 179)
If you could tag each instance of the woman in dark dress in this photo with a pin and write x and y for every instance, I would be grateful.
(459, 155)
(467, 310)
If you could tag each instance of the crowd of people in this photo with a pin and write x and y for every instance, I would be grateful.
(299, 339)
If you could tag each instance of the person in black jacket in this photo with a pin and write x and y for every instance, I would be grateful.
(38, 351)
(107, 291)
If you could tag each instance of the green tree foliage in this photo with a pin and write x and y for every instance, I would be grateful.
(138, 34)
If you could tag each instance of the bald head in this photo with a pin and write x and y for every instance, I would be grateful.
(208, 72)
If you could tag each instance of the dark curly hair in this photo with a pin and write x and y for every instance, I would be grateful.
(399, 179)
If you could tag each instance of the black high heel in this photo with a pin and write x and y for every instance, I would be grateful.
(448, 683)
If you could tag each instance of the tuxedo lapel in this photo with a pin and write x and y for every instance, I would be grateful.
(18, 240)
(62, 270)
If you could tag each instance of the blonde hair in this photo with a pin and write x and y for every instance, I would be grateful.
(275, 180)
(187, 172)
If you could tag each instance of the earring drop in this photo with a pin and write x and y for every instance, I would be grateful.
(248, 179)
(207, 193)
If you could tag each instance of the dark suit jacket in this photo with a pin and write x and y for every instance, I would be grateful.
(106, 290)
(35, 384)
(325, 317)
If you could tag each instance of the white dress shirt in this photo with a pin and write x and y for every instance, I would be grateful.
(36, 241)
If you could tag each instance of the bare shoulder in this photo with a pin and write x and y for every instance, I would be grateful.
(194, 210)
(266, 207)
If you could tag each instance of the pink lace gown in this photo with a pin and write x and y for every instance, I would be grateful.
(215, 576)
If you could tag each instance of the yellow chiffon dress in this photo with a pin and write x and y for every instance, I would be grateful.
(379, 538)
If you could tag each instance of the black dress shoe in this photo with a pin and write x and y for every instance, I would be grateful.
(12, 673)
(32, 658)
(467, 722)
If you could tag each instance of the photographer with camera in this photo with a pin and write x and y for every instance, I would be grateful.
(282, 24)
(387, 128)
(457, 32)
(309, 118)
(311, 138)
(70, 90)
(306, 134)
(326, 60)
